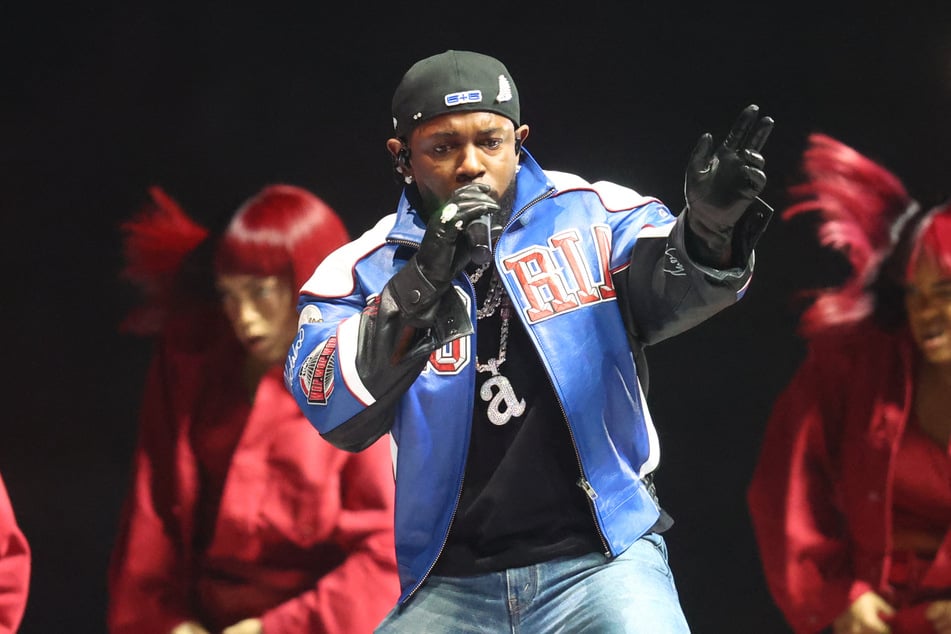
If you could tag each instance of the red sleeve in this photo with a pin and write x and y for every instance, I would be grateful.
(798, 527)
(14, 566)
(146, 577)
(357, 595)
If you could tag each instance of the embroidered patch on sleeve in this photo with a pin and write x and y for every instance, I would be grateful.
(317, 373)
(310, 315)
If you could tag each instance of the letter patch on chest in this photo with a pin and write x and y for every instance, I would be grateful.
(560, 278)
(316, 374)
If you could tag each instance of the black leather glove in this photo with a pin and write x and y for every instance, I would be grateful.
(443, 253)
(720, 184)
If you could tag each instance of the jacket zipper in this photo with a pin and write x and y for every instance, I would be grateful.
(583, 482)
(455, 506)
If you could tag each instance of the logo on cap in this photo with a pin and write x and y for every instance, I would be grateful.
(466, 96)
(505, 90)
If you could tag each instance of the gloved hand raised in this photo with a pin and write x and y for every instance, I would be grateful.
(720, 184)
(443, 253)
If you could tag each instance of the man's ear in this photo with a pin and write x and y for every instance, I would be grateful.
(399, 152)
(521, 133)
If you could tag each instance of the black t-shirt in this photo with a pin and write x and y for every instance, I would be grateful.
(520, 503)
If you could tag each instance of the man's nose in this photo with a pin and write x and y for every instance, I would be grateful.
(470, 164)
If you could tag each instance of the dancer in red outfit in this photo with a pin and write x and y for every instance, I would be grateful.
(14, 566)
(241, 519)
(851, 496)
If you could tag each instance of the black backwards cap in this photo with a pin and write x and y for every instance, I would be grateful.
(453, 81)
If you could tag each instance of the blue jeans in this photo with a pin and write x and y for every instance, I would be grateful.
(630, 594)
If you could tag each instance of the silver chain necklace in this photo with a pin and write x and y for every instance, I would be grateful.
(513, 406)
(493, 296)
(476, 275)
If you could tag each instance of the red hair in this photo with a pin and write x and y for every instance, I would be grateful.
(860, 205)
(933, 240)
(282, 230)
(156, 242)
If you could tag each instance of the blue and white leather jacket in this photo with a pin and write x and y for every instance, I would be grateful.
(594, 272)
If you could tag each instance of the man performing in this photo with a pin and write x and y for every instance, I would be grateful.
(494, 326)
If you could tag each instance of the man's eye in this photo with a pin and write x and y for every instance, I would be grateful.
(440, 150)
(493, 144)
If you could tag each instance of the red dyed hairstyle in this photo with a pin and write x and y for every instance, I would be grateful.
(932, 240)
(866, 214)
(156, 242)
(282, 230)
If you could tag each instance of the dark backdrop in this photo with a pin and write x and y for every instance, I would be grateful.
(213, 101)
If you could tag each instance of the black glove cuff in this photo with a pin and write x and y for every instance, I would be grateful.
(451, 320)
(706, 243)
(749, 229)
(416, 297)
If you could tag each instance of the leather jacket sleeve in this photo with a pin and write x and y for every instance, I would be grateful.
(391, 352)
(664, 292)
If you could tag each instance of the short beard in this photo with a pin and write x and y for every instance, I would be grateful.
(506, 202)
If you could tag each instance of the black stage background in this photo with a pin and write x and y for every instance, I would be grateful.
(212, 101)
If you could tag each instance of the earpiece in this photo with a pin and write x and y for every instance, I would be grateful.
(401, 164)
(402, 158)
(518, 146)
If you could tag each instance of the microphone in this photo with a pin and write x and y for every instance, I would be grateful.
(480, 233)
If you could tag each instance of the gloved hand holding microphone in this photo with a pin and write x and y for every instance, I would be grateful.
(446, 249)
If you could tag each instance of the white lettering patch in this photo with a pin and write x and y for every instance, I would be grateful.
(466, 96)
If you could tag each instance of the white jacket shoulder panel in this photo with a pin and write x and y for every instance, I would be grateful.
(334, 276)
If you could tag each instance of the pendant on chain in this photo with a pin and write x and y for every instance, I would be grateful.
(503, 405)
(513, 406)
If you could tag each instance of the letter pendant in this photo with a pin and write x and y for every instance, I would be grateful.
(505, 396)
